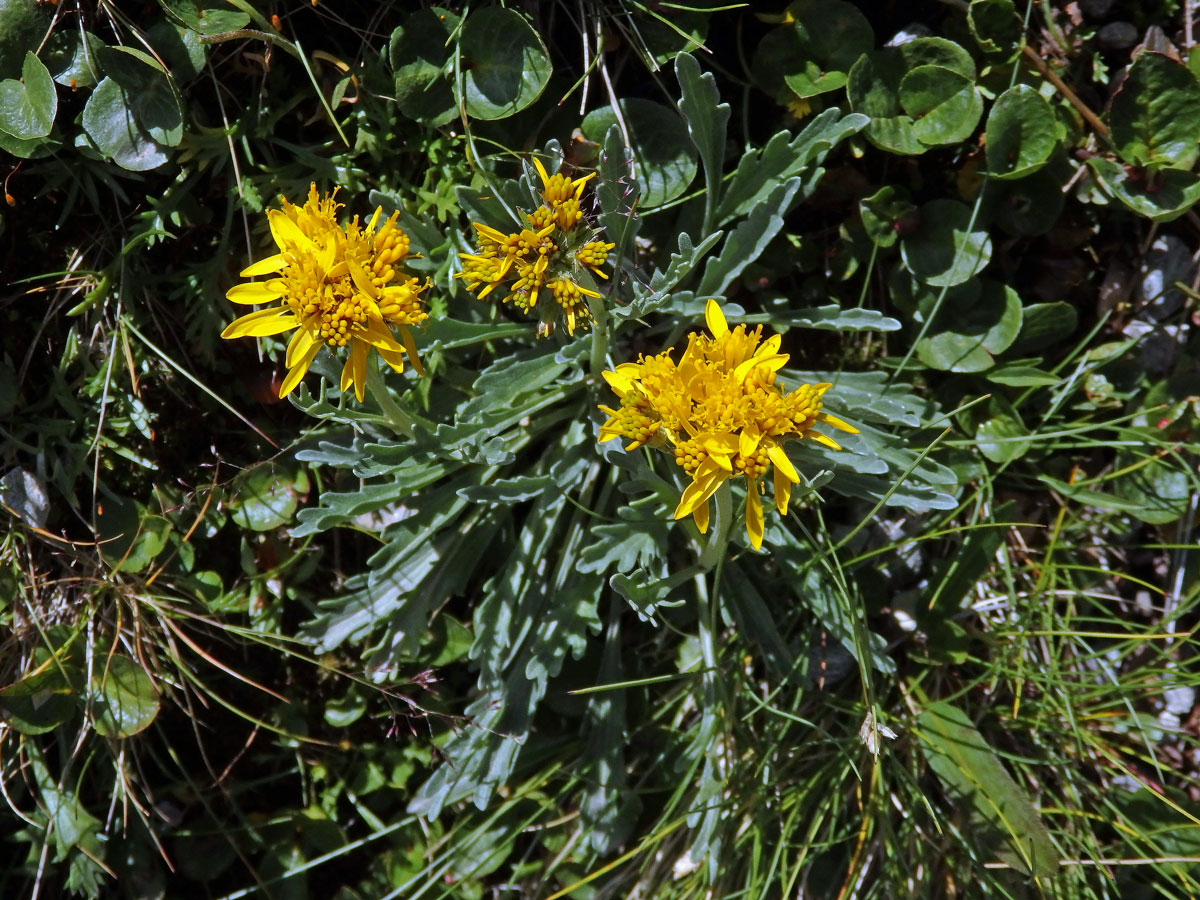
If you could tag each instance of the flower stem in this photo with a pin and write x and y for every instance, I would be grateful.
(599, 335)
(714, 552)
(401, 421)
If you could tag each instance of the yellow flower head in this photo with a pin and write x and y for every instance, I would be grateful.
(337, 286)
(552, 256)
(722, 413)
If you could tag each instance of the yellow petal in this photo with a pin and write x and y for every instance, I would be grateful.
(821, 439)
(837, 423)
(748, 441)
(754, 514)
(783, 491)
(264, 266)
(301, 341)
(708, 478)
(255, 292)
(721, 446)
(261, 323)
(782, 463)
(618, 382)
(371, 226)
(361, 281)
(377, 335)
(411, 347)
(541, 170)
(715, 319)
(355, 369)
(286, 232)
(393, 358)
(298, 371)
(700, 514)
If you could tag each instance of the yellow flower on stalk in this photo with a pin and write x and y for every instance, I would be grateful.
(336, 286)
(722, 413)
(553, 255)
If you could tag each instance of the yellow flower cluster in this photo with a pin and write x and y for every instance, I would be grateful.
(552, 254)
(722, 413)
(337, 285)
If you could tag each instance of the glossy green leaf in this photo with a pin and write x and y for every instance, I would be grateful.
(28, 106)
(1022, 376)
(1155, 114)
(124, 699)
(148, 92)
(886, 213)
(267, 496)
(23, 25)
(73, 60)
(208, 17)
(874, 88)
(420, 55)
(812, 54)
(972, 774)
(972, 327)
(46, 697)
(505, 64)
(945, 249)
(1022, 133)
(110, 123)
(1045, 324)
(1002, 437)
(131, 538)
(663, 153)
(995, 25)
(1159, 490)
(944, 105)
(1160, 196)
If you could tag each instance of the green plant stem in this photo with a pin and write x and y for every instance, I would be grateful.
(599, 335)
(401, 421)
(714, 552)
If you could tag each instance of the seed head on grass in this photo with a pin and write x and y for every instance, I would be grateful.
(722, 413)
(337, 286)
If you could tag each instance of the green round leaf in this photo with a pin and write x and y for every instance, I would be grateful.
(74, 61)
(267, 496)
(1028, 206)
(208, 16)
(109, 122)
(505, 62)
(942, 251)
(1044, 325)
(148, 93)
(662, 150)
(1002, 437)
(1022, 133)
(1160, 488)
(885, 213)
(1162, 195)
(130, 538)
(873, 87)
(814, 53)
(23, 24)
(419, 55)
(874, 90)
(1155, 115)
(181, 49)
(995, 25)
(27, 107)
(944, 104)
(124, 698)
(45, 698)
(971, 327)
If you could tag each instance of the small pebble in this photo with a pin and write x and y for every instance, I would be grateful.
(1117, 36)
(1096, 9)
